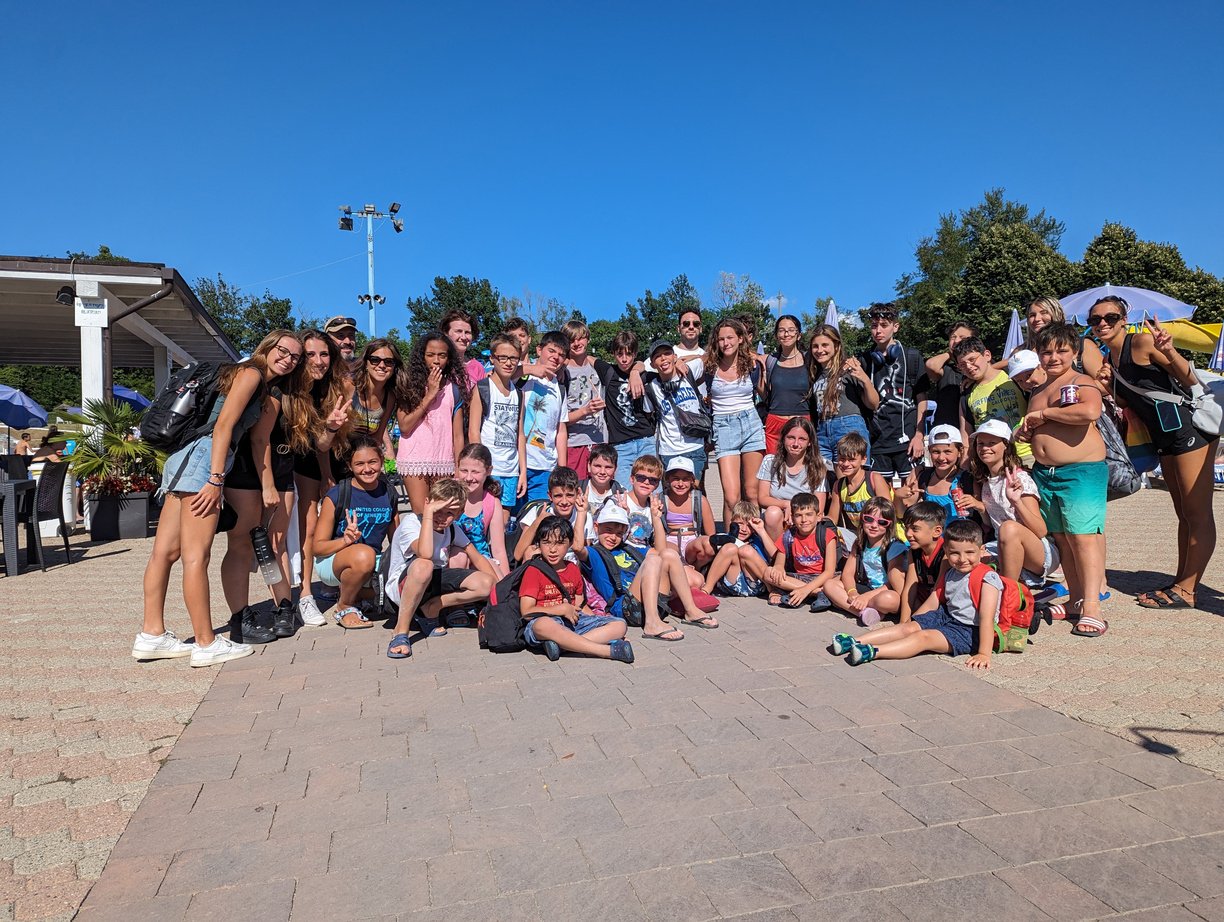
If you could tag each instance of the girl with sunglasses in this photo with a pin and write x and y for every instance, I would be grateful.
(374, 384)
(1136, 364)
(874, 573)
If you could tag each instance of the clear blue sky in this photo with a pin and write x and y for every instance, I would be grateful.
(589, 152)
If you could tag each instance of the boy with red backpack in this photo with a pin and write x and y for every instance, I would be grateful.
(970, 597)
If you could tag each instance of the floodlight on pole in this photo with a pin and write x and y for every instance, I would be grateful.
(371, 214)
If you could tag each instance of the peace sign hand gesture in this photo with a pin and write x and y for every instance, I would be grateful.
(338, 416)
(1161, 338)
(352, 531)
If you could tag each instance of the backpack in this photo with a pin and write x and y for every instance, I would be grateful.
(632, 613)
(180, 412)
(516, 533)
(499, 626)
(823, 528)
(1017, 612)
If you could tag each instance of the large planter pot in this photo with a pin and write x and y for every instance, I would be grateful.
(113, 517)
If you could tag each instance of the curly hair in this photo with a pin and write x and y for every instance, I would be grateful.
(298, 416)
(813, 462)
(329, 390)
(831, 372)
(410, 385)
(743, 355)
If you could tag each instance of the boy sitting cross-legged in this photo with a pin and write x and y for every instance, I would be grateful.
(924, 525)
(419, 574)
(738, 569)
(627, 578)
(960, 617)
(807, 559)
(558, 618)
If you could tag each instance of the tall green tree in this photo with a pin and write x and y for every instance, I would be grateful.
(655, 316)
(104, 255)
(742, 296)
(931, 296)
(246, 319)
(477, 297)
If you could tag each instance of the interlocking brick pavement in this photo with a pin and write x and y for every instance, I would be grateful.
(742, 771)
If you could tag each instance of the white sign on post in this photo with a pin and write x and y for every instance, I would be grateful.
(91, 312)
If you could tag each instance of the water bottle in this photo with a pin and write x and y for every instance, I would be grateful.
(184, 404)
(268, 566)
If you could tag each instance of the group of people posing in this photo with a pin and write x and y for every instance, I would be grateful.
(940, 493)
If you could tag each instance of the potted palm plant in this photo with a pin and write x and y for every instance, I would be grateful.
(117, 469)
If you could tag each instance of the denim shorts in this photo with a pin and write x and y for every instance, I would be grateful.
(187, 470)
(586, 624)
(627, 453)
(736, 433)
(830, 431)
(961, 638)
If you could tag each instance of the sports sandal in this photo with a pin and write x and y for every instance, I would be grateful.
(1149, 594)
(399, 640)
(351, 619)
(1096, 627)
(1169, 597)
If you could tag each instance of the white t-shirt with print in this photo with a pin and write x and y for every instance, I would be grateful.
(994, 497)
(665, 397)
(542, 409)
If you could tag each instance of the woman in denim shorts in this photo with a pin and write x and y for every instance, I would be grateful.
(735, 381)
(841, 390)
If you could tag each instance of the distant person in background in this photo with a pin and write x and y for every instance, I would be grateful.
(50, 446)
(343, 332)
(23, 447)
(947, 382)
(689, 329)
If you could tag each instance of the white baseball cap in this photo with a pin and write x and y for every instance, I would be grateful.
(995, 427)
(945, 435)
(681, 463)
(1021, 361)
(612, 514)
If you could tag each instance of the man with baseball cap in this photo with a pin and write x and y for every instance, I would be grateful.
(343, 332)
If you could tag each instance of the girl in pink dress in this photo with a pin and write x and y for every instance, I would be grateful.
(429, 403)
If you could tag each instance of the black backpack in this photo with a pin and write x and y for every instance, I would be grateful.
(824, 528)
(180, 412)
(516, 534)
(499, 627)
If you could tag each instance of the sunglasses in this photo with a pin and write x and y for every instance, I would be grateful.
(690, 323)
(1107, 319)
(377, 360)
(645, 478)
(872, 520)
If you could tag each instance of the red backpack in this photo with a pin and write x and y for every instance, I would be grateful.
(1015, 609)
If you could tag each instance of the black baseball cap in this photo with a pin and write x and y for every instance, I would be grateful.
(660, 344)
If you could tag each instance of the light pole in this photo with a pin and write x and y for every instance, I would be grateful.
(371, 213)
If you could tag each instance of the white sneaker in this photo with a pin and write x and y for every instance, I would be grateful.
(167, 646)
(310, 613)
(220, 650)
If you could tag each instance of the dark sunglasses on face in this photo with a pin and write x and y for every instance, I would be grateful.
(1108, 319)
(690, 323)
(645, 478)
(872, 520)
(379, 360)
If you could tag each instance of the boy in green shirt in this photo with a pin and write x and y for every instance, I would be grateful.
(992, 394)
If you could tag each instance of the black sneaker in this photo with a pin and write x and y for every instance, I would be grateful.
(245, 628)
(284, 623)
(552, 651)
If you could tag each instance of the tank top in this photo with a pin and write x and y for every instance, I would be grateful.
(731, 396)
(962, 480)
(1149, 376)
(367, 420)
(430, 447)
(499, 430)
(475, 528)
(852, 502)
(788, 390)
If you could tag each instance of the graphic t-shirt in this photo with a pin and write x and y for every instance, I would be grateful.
(641, 524)
(665, 396)
(625, 418)
(958, 600)
(849, 398)
(584, 385)
(998, 398)
(373, 511)
(542, 408)
(806, 554)
(900, 379)
(499, 431)
(539, 587)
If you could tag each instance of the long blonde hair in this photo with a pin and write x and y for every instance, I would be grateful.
(832, 372)
(1051, 304)
(743, 355)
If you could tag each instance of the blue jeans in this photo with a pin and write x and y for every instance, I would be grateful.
(830, 430)
(698, 456)
(627, 453)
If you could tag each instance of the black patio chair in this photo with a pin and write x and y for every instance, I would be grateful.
(15, 467)
(43, 504)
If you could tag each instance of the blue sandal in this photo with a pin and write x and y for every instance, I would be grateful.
(399, 640)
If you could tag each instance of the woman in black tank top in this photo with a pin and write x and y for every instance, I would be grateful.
(1149, 361)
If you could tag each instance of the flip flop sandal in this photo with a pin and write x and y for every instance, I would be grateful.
(707, 624)
(774, 599)
(660, 636)
(1172, 599)
(1097, 626)
(362, 621)
(399, 640)
(1149, 594)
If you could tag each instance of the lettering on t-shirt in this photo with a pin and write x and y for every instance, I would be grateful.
(807, 555)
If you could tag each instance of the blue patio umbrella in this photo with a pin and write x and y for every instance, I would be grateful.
(134, 399)
(1141, 300)
(18, 410)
